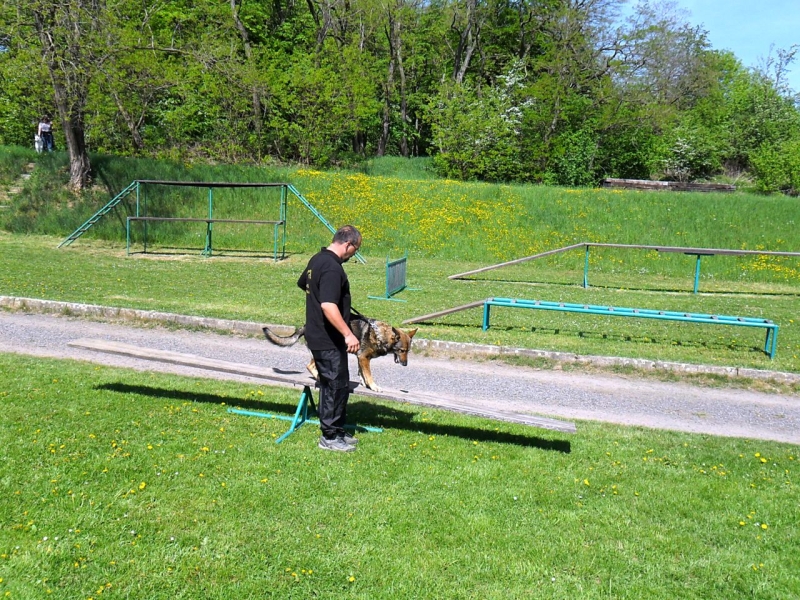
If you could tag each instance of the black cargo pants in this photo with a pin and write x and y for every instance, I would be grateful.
(334, 390)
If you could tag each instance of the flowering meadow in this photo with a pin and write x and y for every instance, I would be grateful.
(121, 484)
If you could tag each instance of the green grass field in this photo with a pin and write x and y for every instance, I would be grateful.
(119, 484)
(260, 290)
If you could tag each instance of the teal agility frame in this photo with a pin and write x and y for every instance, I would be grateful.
(770, 343)
(396, 273)
(698, 253)
(137, 188)
(305, 407)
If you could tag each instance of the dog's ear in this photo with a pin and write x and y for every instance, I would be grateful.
(411, 333)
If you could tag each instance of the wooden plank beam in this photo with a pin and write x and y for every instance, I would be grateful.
(680, 186)
(417, 398)
(442, 313)
(516, 261)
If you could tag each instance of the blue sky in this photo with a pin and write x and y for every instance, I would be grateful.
(748, 27)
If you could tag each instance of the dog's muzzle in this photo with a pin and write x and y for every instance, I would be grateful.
(397, 359)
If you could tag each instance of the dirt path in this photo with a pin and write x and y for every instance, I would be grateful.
(608, 398)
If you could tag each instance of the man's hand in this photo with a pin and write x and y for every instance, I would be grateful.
(352, 343)
(332, 314)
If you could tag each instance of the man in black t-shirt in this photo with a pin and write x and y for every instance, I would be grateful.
(328, 333)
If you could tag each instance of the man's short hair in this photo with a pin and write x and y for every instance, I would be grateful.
(347, 233)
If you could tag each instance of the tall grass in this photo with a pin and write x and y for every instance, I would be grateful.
(472, 222)
(12, 162)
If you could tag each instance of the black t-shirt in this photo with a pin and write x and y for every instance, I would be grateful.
(324, 280)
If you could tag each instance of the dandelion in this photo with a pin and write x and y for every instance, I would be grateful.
(351, 579)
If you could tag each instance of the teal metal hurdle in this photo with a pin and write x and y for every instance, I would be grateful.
(770, 344)
(396, 271)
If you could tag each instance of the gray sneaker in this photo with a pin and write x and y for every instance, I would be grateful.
(349, 439)
(338, 444)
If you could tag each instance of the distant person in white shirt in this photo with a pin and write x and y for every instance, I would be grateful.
(46, 134)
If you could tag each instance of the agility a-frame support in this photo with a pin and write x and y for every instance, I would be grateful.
(304, 407)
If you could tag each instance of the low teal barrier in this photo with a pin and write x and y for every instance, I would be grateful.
(770, 344)
(396, 271)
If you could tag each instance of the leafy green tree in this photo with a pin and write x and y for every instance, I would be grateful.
(478, 136)
(70, 39)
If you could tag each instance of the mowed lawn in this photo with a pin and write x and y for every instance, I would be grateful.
(263, 291)
(121, 484)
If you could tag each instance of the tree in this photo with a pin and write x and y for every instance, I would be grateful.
(72, 40)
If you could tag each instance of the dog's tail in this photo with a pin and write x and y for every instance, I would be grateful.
(281, 340)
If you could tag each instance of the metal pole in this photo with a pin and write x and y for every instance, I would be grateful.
(283, 218)
(486, 307)
(697, 274)
(144, 214)
(207, 251)
(586, 268)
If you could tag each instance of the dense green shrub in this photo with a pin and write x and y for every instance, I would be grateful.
(777, 168)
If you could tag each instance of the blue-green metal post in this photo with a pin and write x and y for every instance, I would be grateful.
(283, 218)
(771, 343)
(137, 198)
(697, 274)
(586, 268)
(388, 295)
(144, 214)
(128, 236)
(486, 308)
(207, 251)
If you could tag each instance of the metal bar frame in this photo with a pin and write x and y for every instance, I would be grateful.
(770, 344)
(275, 231)
(304, 407)
(396, 273)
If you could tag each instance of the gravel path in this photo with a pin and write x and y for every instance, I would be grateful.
(608, 398)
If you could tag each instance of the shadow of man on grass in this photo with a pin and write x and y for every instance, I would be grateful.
(360, 412)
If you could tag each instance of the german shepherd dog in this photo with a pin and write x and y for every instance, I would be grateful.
(376, 338)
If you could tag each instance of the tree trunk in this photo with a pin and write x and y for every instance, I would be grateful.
(133, 126)
(72, 125)
(70, 86)
(248, 52)
(467, 41)
(398, 52)
(383, 142)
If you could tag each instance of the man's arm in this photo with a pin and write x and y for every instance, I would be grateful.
(334, 317)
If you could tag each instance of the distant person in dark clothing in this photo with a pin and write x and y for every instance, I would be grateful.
(328, 333)
(46, 134)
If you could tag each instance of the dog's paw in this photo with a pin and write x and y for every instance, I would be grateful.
(374, 387)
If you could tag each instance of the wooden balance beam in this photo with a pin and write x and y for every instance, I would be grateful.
(417, 398)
